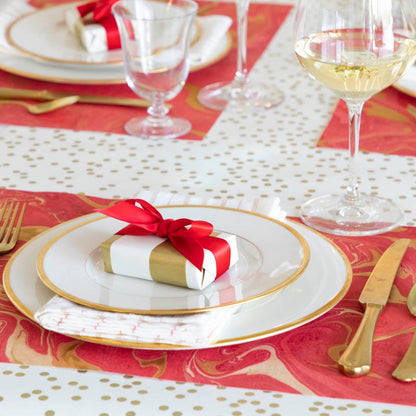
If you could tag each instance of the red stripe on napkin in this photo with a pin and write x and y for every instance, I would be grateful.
(264, 21)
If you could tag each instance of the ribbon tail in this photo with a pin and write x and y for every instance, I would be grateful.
(190, 249)
(222, 253)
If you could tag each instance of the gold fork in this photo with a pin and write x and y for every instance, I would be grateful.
(9, 227)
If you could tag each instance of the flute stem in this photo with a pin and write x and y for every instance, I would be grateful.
(354, 112)
(242, 15)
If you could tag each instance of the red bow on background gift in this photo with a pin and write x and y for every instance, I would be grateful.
(101, 13)
(187, 236)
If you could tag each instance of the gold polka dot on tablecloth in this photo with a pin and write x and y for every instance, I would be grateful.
(164, 397)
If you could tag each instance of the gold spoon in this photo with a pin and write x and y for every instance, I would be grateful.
(46, 106)
(406, 370)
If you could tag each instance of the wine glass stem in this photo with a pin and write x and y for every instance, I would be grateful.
(157, 111)
(354, 113)
(242, 15)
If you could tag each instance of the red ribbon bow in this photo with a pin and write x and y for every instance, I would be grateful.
(187, 236)
(101, 13)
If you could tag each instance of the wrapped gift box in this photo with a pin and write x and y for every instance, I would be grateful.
(94, 35)
(154, 258)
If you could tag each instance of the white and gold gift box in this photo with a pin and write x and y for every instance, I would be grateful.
(154, 258)
(91, 35)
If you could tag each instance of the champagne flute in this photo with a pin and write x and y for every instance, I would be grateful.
(355, 48)
(155, 38)
(241, 93)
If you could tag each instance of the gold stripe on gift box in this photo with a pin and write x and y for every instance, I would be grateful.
(105, 249)
(167, 265)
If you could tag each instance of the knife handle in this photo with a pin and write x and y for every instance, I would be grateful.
(406, 370)
(356, 359)
(19, 93)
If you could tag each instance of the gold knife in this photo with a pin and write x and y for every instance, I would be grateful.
(44, 95)
(356, 359)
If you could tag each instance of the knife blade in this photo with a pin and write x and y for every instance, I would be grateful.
(356, 359)
(44, 95)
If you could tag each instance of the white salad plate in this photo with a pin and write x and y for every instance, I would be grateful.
(271, 255)
(49, 52)
(324, 282)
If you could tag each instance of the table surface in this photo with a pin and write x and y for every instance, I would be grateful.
(255, 154)
(259, 154)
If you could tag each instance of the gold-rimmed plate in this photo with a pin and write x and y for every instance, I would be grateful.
(48, 51)
(272, 255)
(44, 34)
(325, 281)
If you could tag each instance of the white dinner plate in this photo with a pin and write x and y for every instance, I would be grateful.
(52, 54)
(271, 256)
(407, 83)
(320, 287)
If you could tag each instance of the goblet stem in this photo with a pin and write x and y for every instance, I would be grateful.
(157, 111)
(242, 16)
(354, 112)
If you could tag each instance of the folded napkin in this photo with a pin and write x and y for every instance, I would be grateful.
(212, 31)
(193, 330)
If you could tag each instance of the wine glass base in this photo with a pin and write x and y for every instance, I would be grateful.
(253, 96)
(336, 215)
(172, 128)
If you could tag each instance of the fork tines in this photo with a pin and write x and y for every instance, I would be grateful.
(10, 225)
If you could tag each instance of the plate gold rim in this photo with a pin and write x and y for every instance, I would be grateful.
(52, 286)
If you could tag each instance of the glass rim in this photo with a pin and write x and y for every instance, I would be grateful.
(193, 9)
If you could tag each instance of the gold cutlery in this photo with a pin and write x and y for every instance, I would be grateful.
(44, 95)
(356, 359)
(412, 110)
(9, 229)
(45, 107)
(406, 370)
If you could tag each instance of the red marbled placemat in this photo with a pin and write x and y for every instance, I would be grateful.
(264, 20)
(302, 360)
(386, 126)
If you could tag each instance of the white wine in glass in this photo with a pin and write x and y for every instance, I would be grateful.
(355, 48)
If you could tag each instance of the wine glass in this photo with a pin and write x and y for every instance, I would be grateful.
(241, 93)
(355, 48)
(155, 39)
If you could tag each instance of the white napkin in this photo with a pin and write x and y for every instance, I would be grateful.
(193, 330)
(213, 29)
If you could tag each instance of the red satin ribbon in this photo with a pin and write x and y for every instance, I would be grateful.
(187, 236)
(101, 13)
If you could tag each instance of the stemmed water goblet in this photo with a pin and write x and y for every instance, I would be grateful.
(155, 37)
(241, 93)
(355, 48)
